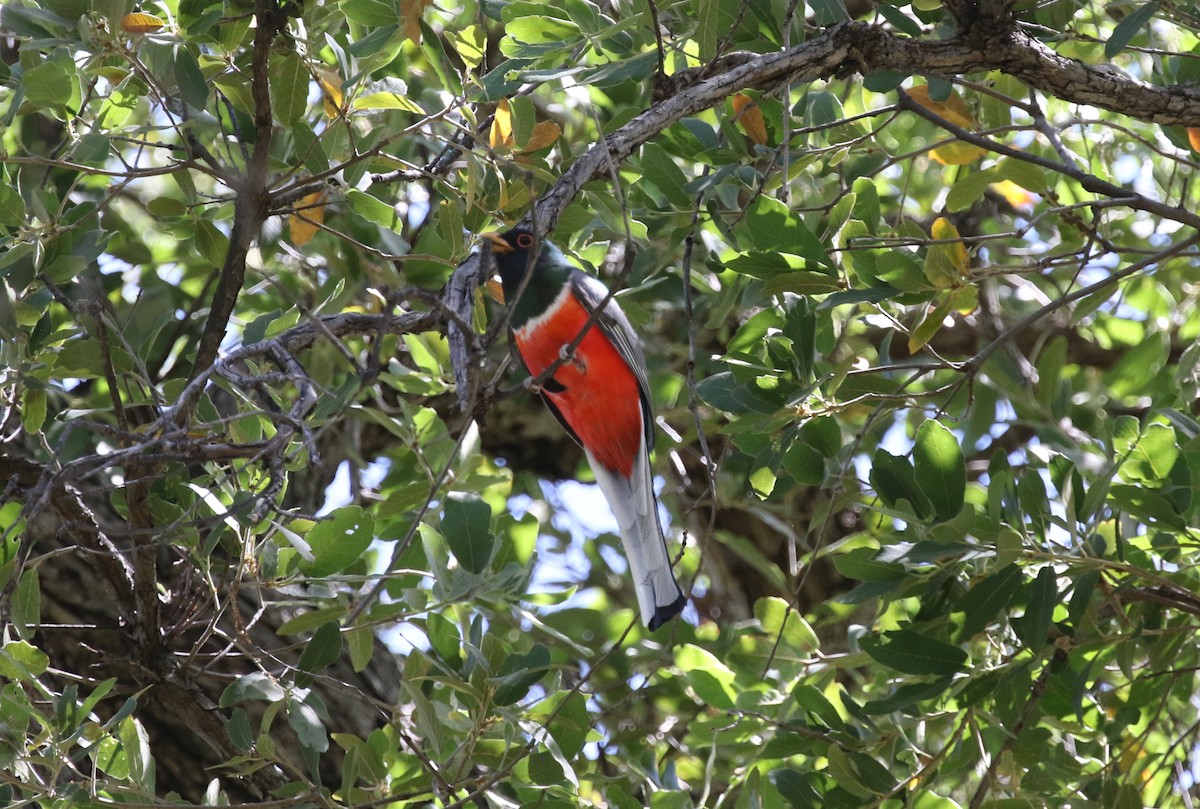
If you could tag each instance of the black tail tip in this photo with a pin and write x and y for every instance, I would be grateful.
(664, 613)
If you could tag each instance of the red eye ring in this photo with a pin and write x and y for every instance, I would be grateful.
(524, 240)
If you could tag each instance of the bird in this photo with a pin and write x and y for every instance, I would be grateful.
(599, 393)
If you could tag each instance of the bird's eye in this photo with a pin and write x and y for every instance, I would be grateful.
(525, 240)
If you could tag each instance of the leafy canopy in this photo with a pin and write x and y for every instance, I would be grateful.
(919, 301)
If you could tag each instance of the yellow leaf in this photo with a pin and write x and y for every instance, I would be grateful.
(309, 214)
(956, 111)
(953, 109)
(1194, 137)
(544, 134)
(945, 264)
(140, 23)
(957, 153)
(1014, 194)
(750, 118)
(331, 91)
(411, 12)
(501, 136)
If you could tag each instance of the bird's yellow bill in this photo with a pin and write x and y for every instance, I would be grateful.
(498, 243)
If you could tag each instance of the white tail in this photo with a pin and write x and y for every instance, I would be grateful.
(633, 503)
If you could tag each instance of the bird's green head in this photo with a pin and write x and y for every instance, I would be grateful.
(518, 253)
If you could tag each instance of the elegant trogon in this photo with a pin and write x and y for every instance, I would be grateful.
(599, 393)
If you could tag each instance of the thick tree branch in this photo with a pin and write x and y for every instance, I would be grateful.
(987, 43)
(252, 198)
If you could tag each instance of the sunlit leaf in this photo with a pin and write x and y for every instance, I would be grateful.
(141, 23)
(501, 135)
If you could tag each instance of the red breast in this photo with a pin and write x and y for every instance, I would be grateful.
(601, 402)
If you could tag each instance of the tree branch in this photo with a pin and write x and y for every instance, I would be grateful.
(252, 198)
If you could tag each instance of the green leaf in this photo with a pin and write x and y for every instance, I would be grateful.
(772, 226)
(339, 542)
(308, 726)
(861, 564)
(1150, 457)
(711, 679)
(845, 774)
(361, 640)
(373, 13)
(931, 323)
(49, 85)
(27, 604)
(91, 149)
(211, 242)
(725, 392)
(256, 685)
(519, 673)
(795, 787)
(816, 704)
(866, 204)
(374, 210)
(323, 649)
(1145, 504)
(1031, 627)
(288, 81)
(239, 730)
(660, 170)
(523, 116)
(1129, 27)
(894, 479)
(33, 409)
(987, 598)
(714, 21)
(387, 100)
(778, 619)
(1050, 362)
(1023, 173)
(12, 207)
(467, 527)
(20, 660)
(912, 653)
(902, 271)
(805, 464)
(941, 469)
(964, 193)
(193, 87)
(444, 639)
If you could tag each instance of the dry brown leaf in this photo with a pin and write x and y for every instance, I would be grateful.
(750, 118)
(1194, 137)
(544, 134)
(411, 12)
